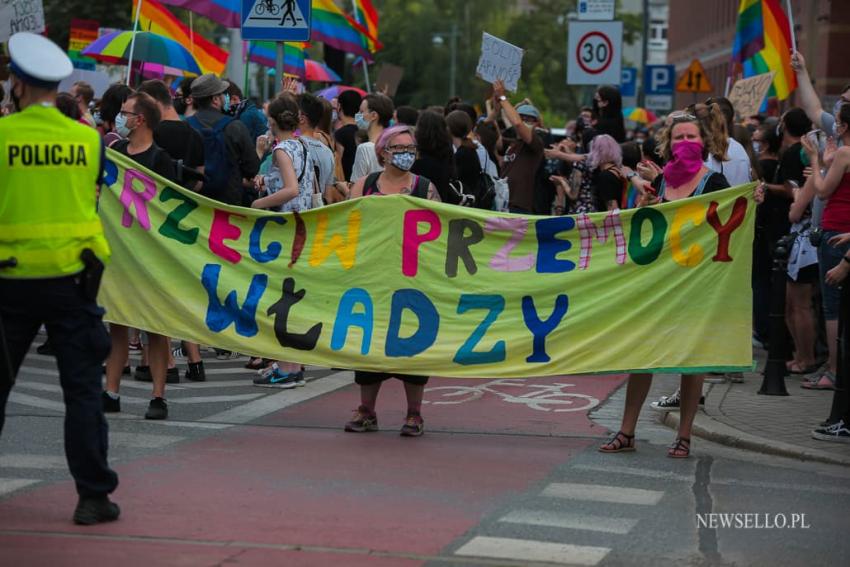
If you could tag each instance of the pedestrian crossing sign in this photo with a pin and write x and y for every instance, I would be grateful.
(276, 20)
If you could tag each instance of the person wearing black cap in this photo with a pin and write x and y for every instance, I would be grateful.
(52, 252)
(230, 155)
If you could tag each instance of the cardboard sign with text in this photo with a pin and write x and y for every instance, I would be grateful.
(748, 94)
(500, 60)
(20, 15)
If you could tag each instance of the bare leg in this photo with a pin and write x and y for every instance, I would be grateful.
(193, 351)
(805, 323)
(369, 395)
(117, 357)
(636, 391)
(414, 393)
(691, 388)
(158, 355)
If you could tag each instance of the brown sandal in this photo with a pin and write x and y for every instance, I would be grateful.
(620, 443)
(680, 449)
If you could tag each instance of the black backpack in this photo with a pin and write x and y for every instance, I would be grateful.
(218, 166)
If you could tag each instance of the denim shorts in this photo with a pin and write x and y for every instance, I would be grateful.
(829, 257)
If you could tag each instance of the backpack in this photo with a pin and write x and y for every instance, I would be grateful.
(217, 163)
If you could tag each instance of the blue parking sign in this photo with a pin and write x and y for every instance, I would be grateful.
(659, 79)
(628, 84)
(276, 20)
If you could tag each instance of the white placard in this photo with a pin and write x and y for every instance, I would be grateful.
(500, 60)
(595, 9)
(594, 53)
(20, 15)
(658, 103)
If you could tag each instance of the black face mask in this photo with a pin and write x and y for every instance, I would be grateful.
(180, 105)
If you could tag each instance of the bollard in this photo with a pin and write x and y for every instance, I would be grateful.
(6, 375)
(773, 383)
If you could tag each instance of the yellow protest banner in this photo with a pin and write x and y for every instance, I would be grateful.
(406, 285)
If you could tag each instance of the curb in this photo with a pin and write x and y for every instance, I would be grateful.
(708, 428)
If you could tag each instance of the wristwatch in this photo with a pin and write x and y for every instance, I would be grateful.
(502, 98)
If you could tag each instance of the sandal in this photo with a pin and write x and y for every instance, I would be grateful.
(825, 381)
(620, 443)
(680, 449)
(796, 368)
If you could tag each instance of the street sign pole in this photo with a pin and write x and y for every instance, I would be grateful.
(278, 64)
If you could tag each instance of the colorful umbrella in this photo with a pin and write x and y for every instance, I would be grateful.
(334, 91)
(638, 114)
(150, 48)
(318, 71)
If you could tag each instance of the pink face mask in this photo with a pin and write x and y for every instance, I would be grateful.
(686, 163)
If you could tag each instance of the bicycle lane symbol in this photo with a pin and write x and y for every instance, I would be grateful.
(541, 397)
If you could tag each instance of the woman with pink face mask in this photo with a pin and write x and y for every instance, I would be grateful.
(684, 175)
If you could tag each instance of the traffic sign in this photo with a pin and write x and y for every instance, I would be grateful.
(659, 79)
(276, 20)
(594, 53)
(596, 9)
(628, 83)
(694, 80)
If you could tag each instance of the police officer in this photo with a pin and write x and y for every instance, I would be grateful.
(52, 248)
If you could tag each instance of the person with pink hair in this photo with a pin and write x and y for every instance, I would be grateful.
(396, 152)
(597, 184)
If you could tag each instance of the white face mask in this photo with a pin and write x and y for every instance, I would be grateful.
(757, 147)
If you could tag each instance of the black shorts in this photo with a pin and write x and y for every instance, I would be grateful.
(365, 378)
(808, 275)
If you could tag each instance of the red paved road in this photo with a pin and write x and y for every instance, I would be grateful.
(247, 493)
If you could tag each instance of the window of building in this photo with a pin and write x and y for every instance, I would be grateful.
(658, 34)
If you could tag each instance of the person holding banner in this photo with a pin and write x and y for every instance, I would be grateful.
(685, 175)
(395, 152)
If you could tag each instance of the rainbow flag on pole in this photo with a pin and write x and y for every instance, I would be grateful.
(226, 12)
(763, 44)
(265, 53)
(336, 28)
(366, 15)
(156, 18)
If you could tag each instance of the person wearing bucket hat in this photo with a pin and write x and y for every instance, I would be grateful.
(52, 253)
(525, 153)
(230, 157)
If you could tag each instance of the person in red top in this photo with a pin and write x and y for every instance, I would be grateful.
(834, 186)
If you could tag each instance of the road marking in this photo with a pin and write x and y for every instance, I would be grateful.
(602, 493)
(270, 404)
(141, 440)
(16, 461)
(9, 485)
(216, 399)
(570, 521)
(190, 424)
(246, 381)
(39, 387)
(530, 550)
(35, 402)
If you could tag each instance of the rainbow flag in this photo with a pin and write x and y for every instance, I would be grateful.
(334, 27)
(226, 12)
(156, 18)
(366, 15)
(763, 44)
(265, 53)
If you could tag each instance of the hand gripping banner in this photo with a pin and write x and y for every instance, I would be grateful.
(405, 285)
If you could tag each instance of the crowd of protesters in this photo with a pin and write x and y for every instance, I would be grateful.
(297, 151)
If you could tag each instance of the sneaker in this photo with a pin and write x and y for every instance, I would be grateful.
(196, 372)
(178, 353)
(671, 402)
(225, 354)
(299, 379)
(414, 426)
(45, 348)
(143, 374)
(715, 378)
(92, 511)
(110, 404)
(277, 378)
(363, 421)
(157, 409)
(172, 376)
(837, 433)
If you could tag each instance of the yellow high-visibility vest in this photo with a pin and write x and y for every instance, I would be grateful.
(49, 166)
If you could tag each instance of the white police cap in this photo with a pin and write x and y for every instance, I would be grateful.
(37, 60)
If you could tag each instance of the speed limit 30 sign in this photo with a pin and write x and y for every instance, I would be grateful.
(594, 53)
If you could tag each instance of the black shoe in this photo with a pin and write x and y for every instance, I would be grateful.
(45, 348)
(172, 376)
(110, 404)
(96, 510)
(143, 374)
(196, 372)
(157, 409)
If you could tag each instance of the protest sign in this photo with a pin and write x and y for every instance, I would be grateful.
(83, 32)
(400, 284)
(389, 78)
(500, 60)
(20, 15)
(748, 94)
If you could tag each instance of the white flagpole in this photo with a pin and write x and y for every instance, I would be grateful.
(791, 23)
(365, 65)
(133, 42)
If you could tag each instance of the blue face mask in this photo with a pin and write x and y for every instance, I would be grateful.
(362, 123)
(404, 160)
(121, 126)
(226, 106)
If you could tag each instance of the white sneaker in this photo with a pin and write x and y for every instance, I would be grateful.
(178, 353)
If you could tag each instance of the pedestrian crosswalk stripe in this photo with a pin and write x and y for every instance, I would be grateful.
(194, 424)
(531, 550)
(570, 521)
(35, 402)
(216, 399)
(246, 381)
(141, 440)
(9, 485)
(602, 493)
(20, 461)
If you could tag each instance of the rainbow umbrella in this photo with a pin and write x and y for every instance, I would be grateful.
(638, 114)
(150, 47)
(334, 91)
(318, 71)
